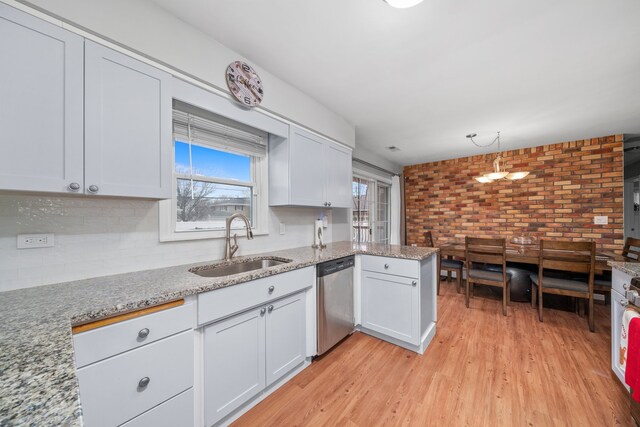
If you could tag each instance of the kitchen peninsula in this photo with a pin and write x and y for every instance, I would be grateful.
(37, 363)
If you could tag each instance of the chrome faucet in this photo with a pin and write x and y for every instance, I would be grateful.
(229, 248)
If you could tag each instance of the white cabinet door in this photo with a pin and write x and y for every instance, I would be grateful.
(285, 336)
(339, 175)
(234, 363)
(390, 305)
(127, 126)
(307, 172)
(41, 99)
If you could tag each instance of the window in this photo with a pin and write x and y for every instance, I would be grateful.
(219, 166)
(370, 210)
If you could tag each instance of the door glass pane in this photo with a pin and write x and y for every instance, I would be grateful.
(382, 214)
(206, 205)
(362, 208)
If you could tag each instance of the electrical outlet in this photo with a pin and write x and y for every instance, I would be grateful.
(414, 244)
(601, 220)
(30, 241)
(282, 228)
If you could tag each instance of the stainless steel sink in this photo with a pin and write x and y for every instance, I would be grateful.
(225, 269)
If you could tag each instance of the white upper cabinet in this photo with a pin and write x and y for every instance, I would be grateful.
(41, 84)
(127, 126)
(308, 170)
(77, 117)
(339, 175)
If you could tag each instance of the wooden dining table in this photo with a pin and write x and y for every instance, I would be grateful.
(527, 254)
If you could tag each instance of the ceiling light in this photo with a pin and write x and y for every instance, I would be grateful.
(498, 165)
(402, 4)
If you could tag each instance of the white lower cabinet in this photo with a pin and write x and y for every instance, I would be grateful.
(391, 305)
(285, 336)
(234, 363)
(119, 388)
(247, 352)
(177, 411)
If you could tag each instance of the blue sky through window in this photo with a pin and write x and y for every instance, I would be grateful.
(212, 163)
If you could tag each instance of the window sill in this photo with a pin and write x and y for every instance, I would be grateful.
(203, 235)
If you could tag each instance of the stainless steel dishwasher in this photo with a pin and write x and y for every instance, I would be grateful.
(335, 302)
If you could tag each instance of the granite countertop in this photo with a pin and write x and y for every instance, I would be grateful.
(631, 268)
(37, 369)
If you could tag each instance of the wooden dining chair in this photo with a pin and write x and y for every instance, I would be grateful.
(631, 253)
(575, 257)
(487, 251)
(631, 249)
(448, 265)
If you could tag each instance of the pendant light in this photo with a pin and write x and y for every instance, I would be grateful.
(498, 165)
(402, 4)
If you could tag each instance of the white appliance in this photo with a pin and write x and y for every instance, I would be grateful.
(621, 291)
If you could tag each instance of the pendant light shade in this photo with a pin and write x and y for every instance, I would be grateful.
(498, 165)
(402, 4)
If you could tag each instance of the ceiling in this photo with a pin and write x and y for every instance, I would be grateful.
(539, 71)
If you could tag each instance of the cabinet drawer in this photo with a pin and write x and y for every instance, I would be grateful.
(395, 266)
(110, 390)
(233, 299)
(107, 341)
(177, 411)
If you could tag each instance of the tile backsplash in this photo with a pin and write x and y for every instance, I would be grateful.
(98, 237)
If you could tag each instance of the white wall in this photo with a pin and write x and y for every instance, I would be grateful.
(148, 29)
(98, 237)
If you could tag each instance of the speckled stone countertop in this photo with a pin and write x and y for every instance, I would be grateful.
(631, 268)
(37, 372)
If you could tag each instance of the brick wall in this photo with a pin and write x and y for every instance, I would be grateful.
(569, 184)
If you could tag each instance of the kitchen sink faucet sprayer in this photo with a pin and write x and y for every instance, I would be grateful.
(229, 248)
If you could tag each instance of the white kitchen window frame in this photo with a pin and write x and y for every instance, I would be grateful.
(168, 208)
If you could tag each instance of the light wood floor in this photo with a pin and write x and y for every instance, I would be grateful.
(482, 369)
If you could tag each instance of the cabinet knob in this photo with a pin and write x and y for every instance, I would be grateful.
(271, 289)
(263, 311)
(623, 302)
(325, 203)
(143, 333)
(74, 186)
(144, 382)
(386, 266)
(625, 286)
(329, 203)
(270, 308)
(93, 189)
(415, 282)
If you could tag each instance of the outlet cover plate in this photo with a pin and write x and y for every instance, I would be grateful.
(601, 220)
(30, 241)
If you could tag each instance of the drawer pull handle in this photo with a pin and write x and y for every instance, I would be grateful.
(144, 382)
(386, 266)
(271, 289)
(270, 308)
(143, 333)
(415, 282)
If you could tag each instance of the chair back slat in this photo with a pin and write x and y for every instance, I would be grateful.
(428, 239)
(631, 249)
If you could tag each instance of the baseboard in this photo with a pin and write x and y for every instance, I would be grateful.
(425, 339)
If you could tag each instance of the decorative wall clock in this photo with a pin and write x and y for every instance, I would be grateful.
(244, 83)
